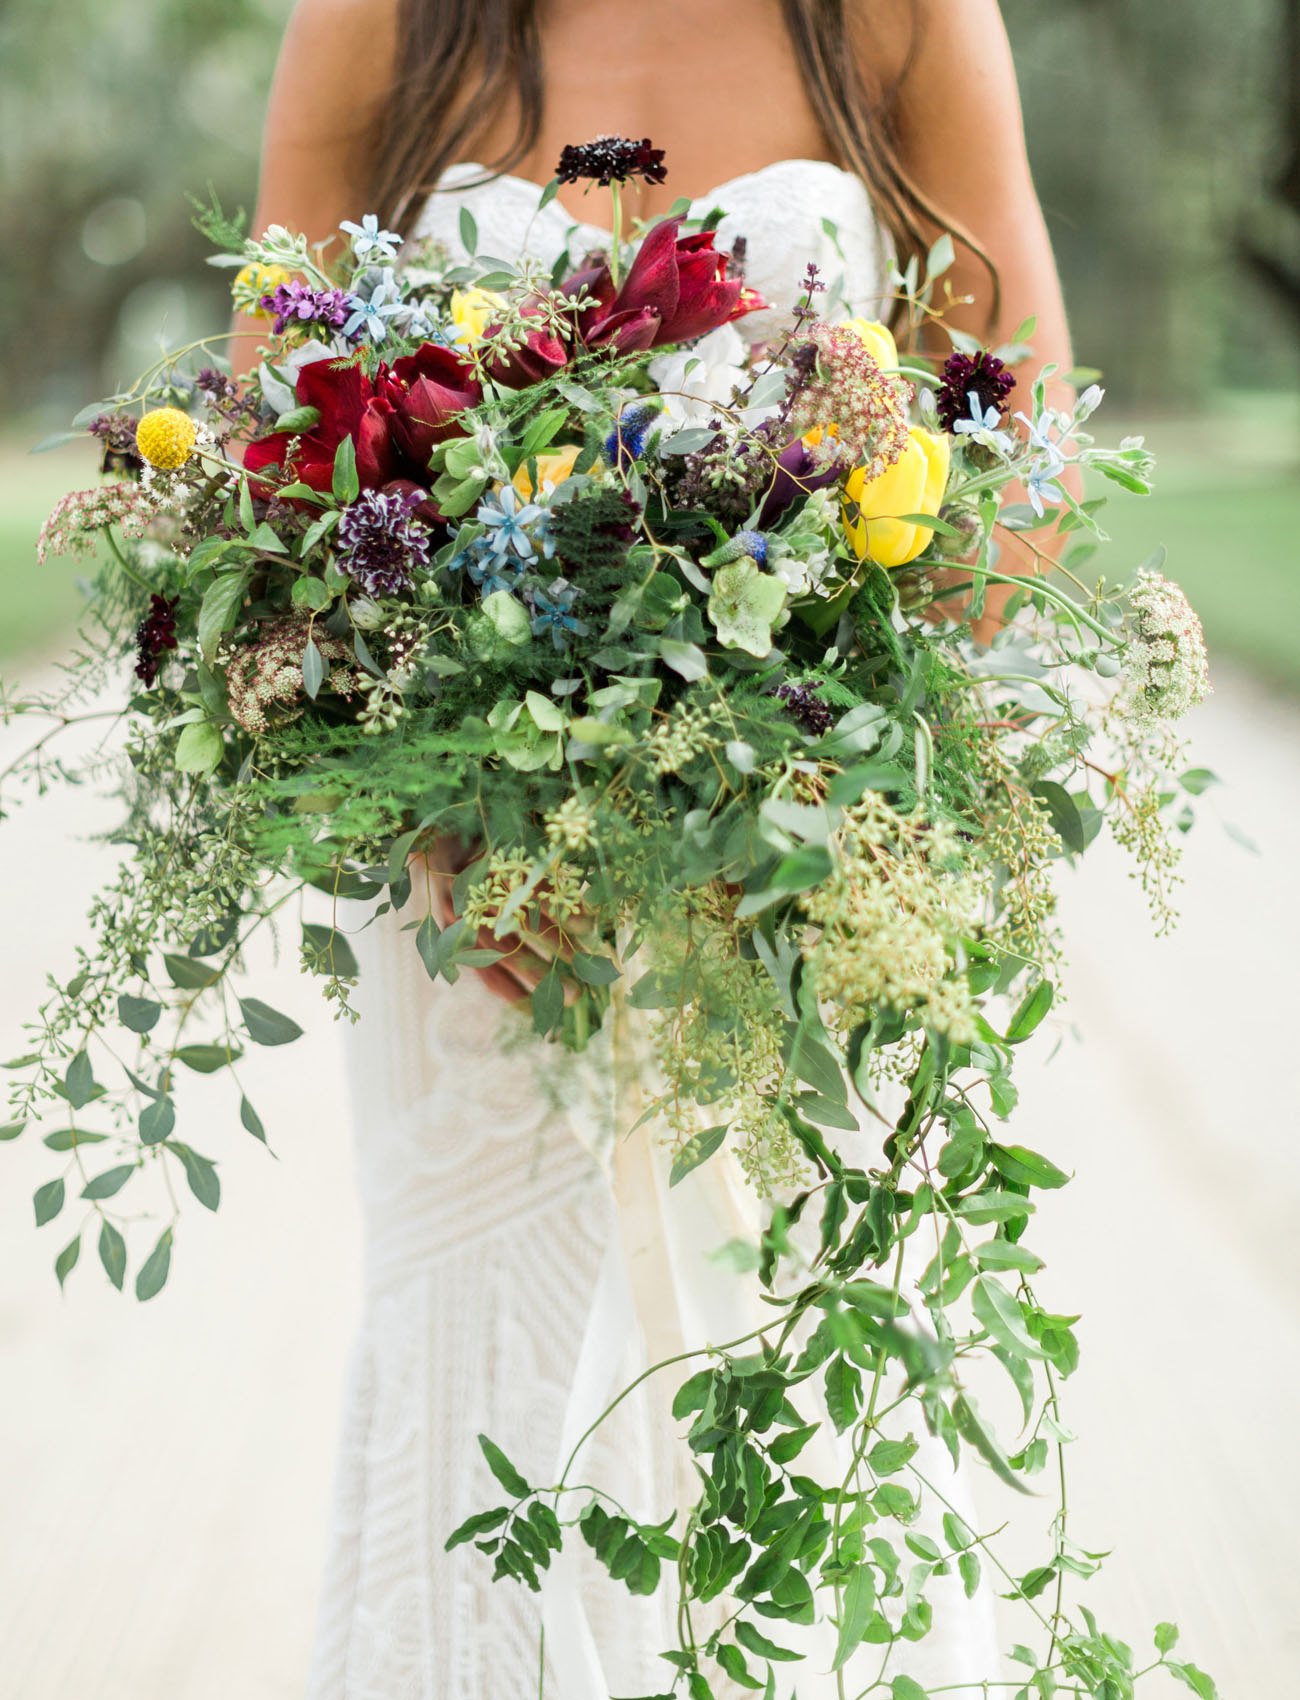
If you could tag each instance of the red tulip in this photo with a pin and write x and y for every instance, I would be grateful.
(394, 420)
(676, 289)
(427, 390)
(348, 407)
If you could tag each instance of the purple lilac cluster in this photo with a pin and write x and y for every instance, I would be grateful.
(297, 303)
(611, 159)
(155, 634)
(380, 545)
(982, 375)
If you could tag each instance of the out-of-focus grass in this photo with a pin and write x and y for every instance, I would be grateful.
(38, 603)
(1226, 507)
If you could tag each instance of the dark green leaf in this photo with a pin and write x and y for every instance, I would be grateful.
(346, 485)
(696, 1150)
(843, 1393)
(313, 668)
(157, 1120)
(110, 1182)
(65, 1262)
(971, 1426)
(251, 1120)
(1031, 1011)
(112, 1253)
(221, 602)
(548, 1000)
(200, 1172)
(153, 1273)
(1063, 812)
(426, 942)
(139, 1014)
(48, 1201)
(1026, 1168)
(733, 1663)
(815, 1064)
(327, 951)
(481, 1523)
(79, 1081)
(1195, 1679)
(207, 1059)
(855, 1613)
(595, 970)
(189, 974)
(468, 231)
(68, 1138)
(998, 1311)
(758, 1643)
(503, 1469)
(266, 1026)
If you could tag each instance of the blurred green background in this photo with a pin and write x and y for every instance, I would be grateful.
(1165, 141)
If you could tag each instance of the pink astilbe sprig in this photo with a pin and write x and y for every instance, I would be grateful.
(861, 410)
(76, 517)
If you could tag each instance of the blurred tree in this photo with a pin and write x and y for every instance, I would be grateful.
(1154, 131)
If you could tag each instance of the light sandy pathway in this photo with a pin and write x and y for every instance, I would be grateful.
(164, 1469)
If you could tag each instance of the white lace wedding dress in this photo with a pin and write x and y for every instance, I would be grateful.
(524, 1258)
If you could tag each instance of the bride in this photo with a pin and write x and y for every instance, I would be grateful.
(525, 1259)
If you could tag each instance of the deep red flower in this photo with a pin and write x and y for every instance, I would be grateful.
(348, 407)
(540, 356)
(676, 289)
(427, 390)
(394, 420)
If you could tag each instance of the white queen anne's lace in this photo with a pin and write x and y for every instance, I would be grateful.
(1166, 667)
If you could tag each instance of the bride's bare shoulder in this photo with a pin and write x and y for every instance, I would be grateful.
(343, 49)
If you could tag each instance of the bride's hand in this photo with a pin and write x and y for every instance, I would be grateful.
(516, 976)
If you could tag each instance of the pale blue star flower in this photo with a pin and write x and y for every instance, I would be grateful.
(371, 317)
(509, 520)
(982, 423)
(368, 240)
(551, 612)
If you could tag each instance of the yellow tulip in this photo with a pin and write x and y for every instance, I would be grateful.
(552, 469)
(914, 484)
(472, 310)
(879, 342)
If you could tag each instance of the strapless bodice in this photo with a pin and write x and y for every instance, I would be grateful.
(789, 213)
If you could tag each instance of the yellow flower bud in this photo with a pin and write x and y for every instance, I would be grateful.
(472, 310)
(552, 469)
(165, 438)
(252, 282)
(879, 342)
(914, 484)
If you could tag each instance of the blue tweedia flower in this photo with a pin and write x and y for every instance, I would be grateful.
(627, 440)
(369, 241)
(552, 612)
(492, 573)
(1040, 481)
(981, 420)
(370, 318)
(380, 545)
(515, 527)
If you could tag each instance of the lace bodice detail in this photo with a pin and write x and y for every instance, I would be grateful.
(789, 213)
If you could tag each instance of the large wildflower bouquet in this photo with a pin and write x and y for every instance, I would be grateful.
(657, 645)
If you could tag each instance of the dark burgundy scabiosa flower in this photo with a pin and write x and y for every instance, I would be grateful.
(117, 433)
(297, 303)
(611, 159)
(807, 708)
(380, 545)
(155, 634)
(983, 375)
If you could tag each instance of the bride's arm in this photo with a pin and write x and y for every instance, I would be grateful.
(962, 139)
(334, 71)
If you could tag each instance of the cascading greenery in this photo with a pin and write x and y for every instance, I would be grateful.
(730, 760)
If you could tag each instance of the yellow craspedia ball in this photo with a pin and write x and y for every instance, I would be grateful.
(252, 282)
(165, 438)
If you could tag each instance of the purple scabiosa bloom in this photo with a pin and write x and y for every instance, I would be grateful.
(611, 159)
(807, 708)
(298, 303)
(981, 375)
(155, 634)
(627, 440)
(380, 545)
(117, 433)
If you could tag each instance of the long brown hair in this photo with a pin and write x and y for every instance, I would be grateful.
(493, 48)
